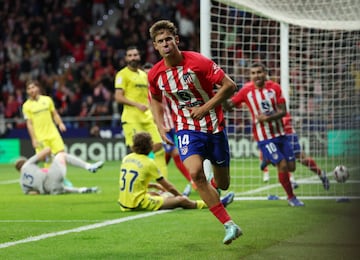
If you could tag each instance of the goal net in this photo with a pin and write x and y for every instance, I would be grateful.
(312, 48)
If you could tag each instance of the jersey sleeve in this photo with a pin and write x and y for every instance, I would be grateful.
(51, 104)
(32, 160)
(213, 72)
(153, 88)
(154, 170)
(238, 98)
(26, 111)
(119, 81)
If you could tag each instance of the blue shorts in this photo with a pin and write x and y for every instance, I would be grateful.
(214, 147)
(294, 142)
(277, 149)
(172, 136)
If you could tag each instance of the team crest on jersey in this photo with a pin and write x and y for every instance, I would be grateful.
(266, 107)
(184, 150)
(118, 80)
(275, 156)
(270, 94)
(187, 78)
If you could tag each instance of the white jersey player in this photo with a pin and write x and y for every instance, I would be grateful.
(37, 180)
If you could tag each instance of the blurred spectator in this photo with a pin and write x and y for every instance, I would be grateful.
(60, 44)
(98, 10)
(103, 100)
(12, 107)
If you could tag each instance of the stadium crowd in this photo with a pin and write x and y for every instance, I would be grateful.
(75, 47)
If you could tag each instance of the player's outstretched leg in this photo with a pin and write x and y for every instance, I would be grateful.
(294, 202)
(228, 198)
(325, 181)
(95, 166)
(187, 190)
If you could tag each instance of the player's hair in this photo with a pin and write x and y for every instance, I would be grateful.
(142, 143)
(32, 81)
(162, 25)
(19, 163)
(258, 64)
(132, 47)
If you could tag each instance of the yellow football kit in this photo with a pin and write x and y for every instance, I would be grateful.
(40, 113)
(136, 172)
(135, 86)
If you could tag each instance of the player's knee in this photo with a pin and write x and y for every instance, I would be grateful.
(185, 202)
(222, 177)
(223, 185)
(291, 166)
(198, 177)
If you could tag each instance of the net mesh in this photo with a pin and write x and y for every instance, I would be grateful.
(324, 87)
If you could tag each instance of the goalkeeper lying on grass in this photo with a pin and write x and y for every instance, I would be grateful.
(35, 180)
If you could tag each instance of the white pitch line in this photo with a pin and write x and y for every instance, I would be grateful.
(9, 181)
(49, 221)
(83, 228)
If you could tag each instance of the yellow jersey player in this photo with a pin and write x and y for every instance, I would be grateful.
(40, 115)
(131, 90)
(137, 171)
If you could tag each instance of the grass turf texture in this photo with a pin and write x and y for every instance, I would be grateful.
(323, 229)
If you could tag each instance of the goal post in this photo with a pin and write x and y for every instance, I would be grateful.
(312, 48)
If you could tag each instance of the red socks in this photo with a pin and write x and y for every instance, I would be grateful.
(220, 213)
(285, 182)
(311, 164)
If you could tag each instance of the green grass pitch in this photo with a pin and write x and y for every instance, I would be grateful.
(90, 226)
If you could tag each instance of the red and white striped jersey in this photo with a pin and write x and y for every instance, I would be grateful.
(168, 122)
(187, 85)
(262, 101)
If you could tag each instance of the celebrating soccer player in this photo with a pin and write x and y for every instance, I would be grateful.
(187, 80)
(267, 107)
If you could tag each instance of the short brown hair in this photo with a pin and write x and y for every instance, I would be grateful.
(32, 81)
(162, 25)
(19, 163)
(142, 143)
(258, 64)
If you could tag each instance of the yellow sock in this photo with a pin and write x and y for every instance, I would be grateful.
(200, 204)
(161, 162)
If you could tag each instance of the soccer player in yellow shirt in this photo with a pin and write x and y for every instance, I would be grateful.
(137, 171)
(131, 90)
(40, 115)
